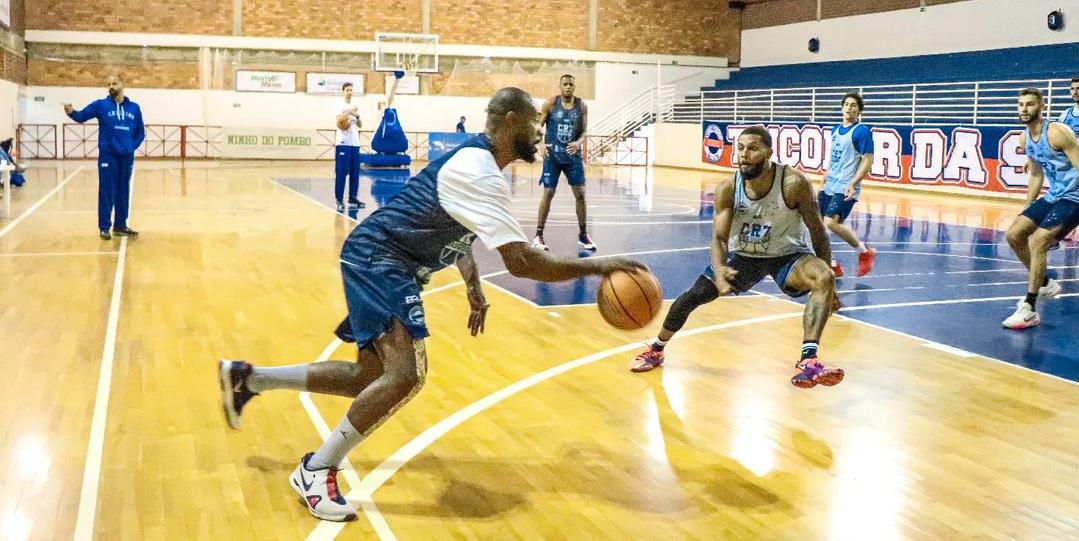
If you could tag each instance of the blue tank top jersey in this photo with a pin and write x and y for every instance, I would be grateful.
(1062, 177)
(563, 125)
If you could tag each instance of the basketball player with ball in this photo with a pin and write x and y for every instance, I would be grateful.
(430, 225)
(760, 217)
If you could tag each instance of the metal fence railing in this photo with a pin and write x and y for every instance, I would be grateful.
(985, 103)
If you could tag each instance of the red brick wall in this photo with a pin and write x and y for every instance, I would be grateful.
(18, 16)
(561, 24)
(160, 16)
(358, 20)
(14, 68)
(14, 63)
(157, 75)
(776, 12)
(698, 27)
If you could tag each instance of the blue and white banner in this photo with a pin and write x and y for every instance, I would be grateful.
(440, 143)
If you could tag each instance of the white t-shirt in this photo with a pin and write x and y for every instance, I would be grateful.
(351, 136)
(473, 191)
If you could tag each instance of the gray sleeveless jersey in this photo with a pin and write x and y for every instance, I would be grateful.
(765, 227)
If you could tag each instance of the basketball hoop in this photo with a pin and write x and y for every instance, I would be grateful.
(412, 53)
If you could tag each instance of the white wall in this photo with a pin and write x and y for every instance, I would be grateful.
(679, 145)
(262, 110)
(973, 25)
(9, 108)
(617, 83)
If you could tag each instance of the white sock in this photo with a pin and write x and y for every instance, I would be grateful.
(833, 263)
(336, 447)
(278, 377)
(862, 248)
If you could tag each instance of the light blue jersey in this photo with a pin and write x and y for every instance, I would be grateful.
(1062, 177)
(849, 144)
(1070, 118)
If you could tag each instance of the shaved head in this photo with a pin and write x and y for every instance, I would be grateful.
(506, 100)
(512, 123)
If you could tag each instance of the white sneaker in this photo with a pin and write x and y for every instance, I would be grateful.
(1023, 318)
(318, 489)
(537, 243)
(1050, 290)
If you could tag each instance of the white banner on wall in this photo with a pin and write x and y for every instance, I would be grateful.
(410, 84)
(5, 13)
(330, 83)
(269, 143)
(265, 81)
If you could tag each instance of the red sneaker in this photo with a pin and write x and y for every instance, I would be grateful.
(811, 372)
(647, 360)
(865, 261)
(837, 269)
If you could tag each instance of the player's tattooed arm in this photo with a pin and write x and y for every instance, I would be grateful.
(477, 302)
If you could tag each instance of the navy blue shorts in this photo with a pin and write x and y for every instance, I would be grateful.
(751, 270)
(376, 294)
(1063, 213)
(835, 205)
(556, 163)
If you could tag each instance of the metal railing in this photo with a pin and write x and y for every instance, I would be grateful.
(79, 141)
(609, 134)
(985, 103)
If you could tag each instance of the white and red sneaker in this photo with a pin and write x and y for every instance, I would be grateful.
(1024, 317)
(318, 489)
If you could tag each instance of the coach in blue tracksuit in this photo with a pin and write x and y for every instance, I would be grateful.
(120, 132)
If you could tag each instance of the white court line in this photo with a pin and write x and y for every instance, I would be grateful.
(1008, 283)
(944, 301)
(392, 464)
(926, 341)
(512, 294)
(313, 200)
(930, 254)
(40, 202)
(949, 349)
(91, 476)
(55, 254)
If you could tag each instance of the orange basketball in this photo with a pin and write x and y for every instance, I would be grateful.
(629, 300)
(342, 124)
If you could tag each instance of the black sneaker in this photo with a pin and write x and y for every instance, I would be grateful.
(124, 232)
(340, 207)
(104, 234)
(353, 202)
(232, 375)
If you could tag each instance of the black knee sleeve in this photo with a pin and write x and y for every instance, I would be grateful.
(703, 292)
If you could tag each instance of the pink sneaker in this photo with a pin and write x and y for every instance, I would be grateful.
(811, 372)
(647, 360)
